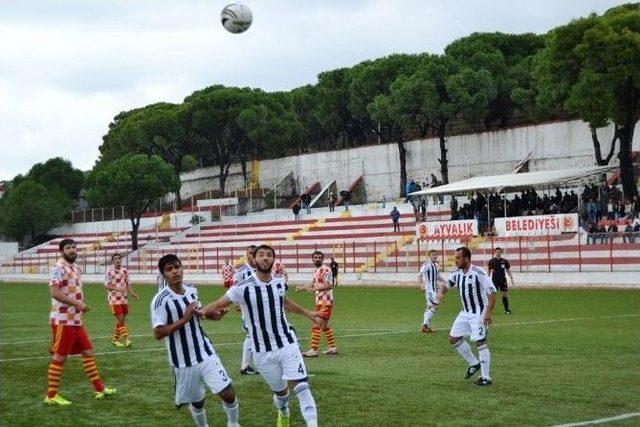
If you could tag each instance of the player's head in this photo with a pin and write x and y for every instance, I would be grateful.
(68, 250)
(170, 267)
(463, 257)
(497, 252)
(317, 257)
(433, 255)
(264, 256)
(116, 259)
(251, 254)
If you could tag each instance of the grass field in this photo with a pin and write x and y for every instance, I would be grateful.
(563, 356)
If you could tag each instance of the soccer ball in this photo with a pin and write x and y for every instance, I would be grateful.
(236, 18)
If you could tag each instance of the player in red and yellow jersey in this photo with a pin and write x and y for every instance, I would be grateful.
(279, 270)
(69, 336)
(116, 280)
(322, 285)
(227, 274)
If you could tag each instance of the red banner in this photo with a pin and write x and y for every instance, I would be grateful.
(447, 229)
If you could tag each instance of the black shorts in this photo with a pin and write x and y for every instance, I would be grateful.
(501, 286)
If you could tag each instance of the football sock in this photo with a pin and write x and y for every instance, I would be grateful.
(428, 314)
(331, 339)
(485, 360)
(124, 332)
(505, 303)
(90, 368)
(315, 338)
(116, 331)
(246, 353)
(55, 373)
(307, 403)
(231, 409)
(282, 403)
(463, 349)
(199, 416)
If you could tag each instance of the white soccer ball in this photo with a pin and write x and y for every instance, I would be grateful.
(236, 18)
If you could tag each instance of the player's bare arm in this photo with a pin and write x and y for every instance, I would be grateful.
(133, 293)
(488, 316)
(57, 294)
(511, 277)
(310, 287)
(323, 286)
(160, 332)
(314, 316)
(441, 291)
(217, 309)
(420, 282)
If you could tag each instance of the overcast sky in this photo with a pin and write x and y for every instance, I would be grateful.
(68, 67)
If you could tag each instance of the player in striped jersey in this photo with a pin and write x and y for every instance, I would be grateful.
(477, 296)
(277, 356)
(227, 274)
(322, 285)
(280, 270)
(175, 316)
(244, 273)
(428, 278)
(116, 281)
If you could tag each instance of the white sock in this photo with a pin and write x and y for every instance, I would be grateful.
(428, 314)
(231, 409)
(485, 361)
(199, 416)
(463, 349)
(246, 353)
(282, 403)
(307, 404)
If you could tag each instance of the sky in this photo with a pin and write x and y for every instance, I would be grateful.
(67, 67)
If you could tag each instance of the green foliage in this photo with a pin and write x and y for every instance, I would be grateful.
(31, 209)
(564, 356)
(56, 174)
(591, 67)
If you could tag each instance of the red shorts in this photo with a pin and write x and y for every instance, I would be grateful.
(68, 340)
(324, 310)
(120, 309)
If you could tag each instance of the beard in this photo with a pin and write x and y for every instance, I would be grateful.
(262, 269)
(69, 258)
(317, 263)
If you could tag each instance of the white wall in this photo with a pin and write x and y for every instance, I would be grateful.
(178, 220)
(555, 145)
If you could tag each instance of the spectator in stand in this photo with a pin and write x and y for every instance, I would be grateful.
(592, 211)
(423, 208)
(636, 207)
(306, 202)
(612, 231)
(453, 205)
(592, 233)
(332, 201)
(346, 196)
(628, 233)
(395, 217)
(296, 211)
(409, 189)
(619, 210)
(602, 233)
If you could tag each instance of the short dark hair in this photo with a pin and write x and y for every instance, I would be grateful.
(431, 251)
(65, 242)
(498, 249)
(466, 253)
(253, 248)
(167, 259)
(316, 252)
(267, 247)
(115, 255)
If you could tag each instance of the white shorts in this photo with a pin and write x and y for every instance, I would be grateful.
(190, 381)
(469, 325)
(431, 298)
(281, 365)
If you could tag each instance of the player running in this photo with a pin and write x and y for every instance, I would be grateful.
(428, 278)
(477, 296)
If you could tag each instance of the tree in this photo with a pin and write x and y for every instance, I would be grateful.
(30, 209)
(591, 67)
(161, 129)
(132, 181)
(58, 173)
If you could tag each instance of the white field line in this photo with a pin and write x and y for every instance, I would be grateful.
(150, 335)
(601, 420)
(379, 332)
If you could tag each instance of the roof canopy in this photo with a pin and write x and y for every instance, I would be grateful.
(515, 181)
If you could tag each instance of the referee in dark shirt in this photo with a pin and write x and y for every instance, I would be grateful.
(498, 269)
(335, 269)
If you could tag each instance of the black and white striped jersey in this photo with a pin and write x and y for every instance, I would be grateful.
(245, 272)
(474, 286)
(262, 306)
(188, 345)
(430, 273)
